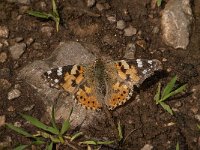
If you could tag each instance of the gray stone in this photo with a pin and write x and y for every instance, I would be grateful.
(130, 51)
(17, 50)
(3, 57)
(4, 32)
(90, 3)
(29, 41)
(121, 24)
(176, 23)
(130, 31)
(15, 93)
(66, 54)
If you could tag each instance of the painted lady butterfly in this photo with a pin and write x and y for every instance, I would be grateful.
(99, 83)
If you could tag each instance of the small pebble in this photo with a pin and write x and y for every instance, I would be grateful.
(19, 39)
(24, 1)
(111, 19)
(2, 120)
(90, 3)
(130, 31)
(47, 30)
(4, 32)
(15, 93)
(4, 84)
(29, 41)
(11, 108)
(121, 24)
(17, 50)
(197, 117)
(147, 147)
(130, 51)
(17, 124)
(194, 110)
(178, 104)
(3, 57)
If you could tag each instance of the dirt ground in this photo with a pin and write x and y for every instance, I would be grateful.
(146, 122)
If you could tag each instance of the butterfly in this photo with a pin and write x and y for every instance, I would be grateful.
(102, 83)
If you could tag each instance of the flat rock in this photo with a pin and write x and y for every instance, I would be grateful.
(66, 54)
(176, 23)
(17, 50)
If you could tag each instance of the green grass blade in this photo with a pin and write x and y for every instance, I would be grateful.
(38, 142)
(105, 142)
(54, 8)
(159, 2)
(39, 14)
(157, 96)
(50, 146)
(75, 136)
(19, 130)
(70, 113)
(38, 124)
(119, 128)
(180, 89)
(166, 107)
(169, 87)
(21, 147)
(53, 120)
(65, 127)
(177, 146)
(89, 142)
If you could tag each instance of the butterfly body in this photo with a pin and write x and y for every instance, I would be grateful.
(102, 83)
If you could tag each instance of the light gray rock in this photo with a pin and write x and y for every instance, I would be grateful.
(130, 51)
(17, 50)
(130, 31)
(4, 32)
(66, 54)
(15, 93)
(176, 23)
(121, 24)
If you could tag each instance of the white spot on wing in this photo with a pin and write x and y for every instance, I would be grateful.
(59, 71)
(139, 63)
(56, 80)
(49, 72)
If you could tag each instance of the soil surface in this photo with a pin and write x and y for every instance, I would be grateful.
(145, 124)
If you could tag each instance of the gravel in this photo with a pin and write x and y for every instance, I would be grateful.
(121, 24)
(3, 57)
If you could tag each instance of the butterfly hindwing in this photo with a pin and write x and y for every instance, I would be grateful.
(128, 73)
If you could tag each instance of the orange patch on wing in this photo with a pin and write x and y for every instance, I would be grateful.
(133, 74)
(119, 95)
(88, 101)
